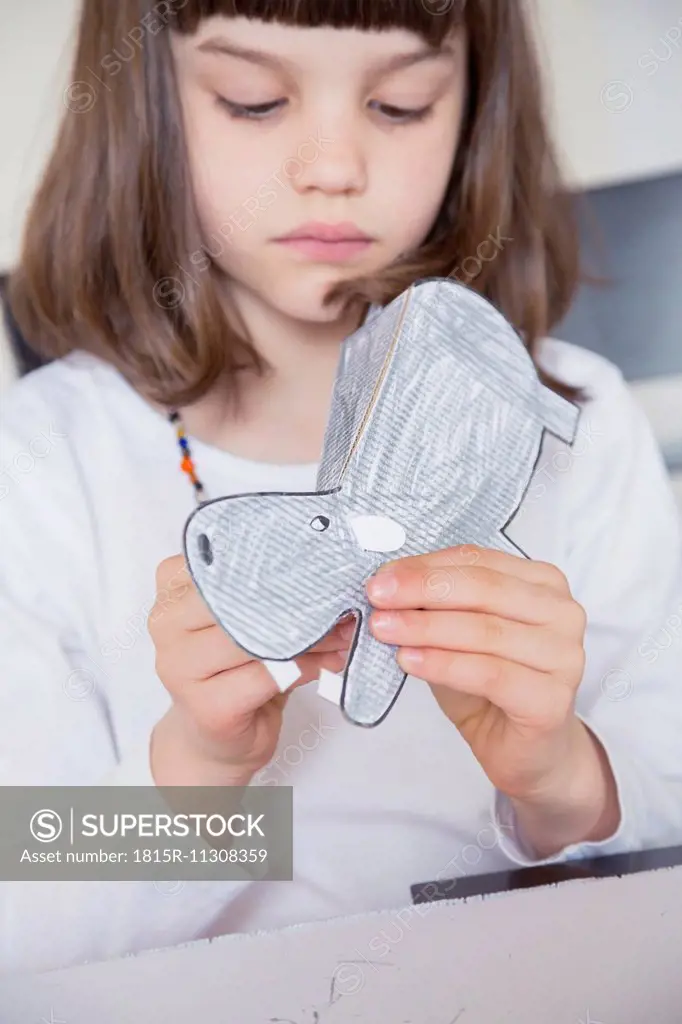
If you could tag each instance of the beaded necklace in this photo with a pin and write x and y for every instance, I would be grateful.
(186, 461)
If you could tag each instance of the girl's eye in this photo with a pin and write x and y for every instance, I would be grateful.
(258, 112)
(400, 114)
(254, 113)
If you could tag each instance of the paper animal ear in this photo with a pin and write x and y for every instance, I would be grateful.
(436, 422)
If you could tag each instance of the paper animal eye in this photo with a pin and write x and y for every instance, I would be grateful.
(205, 549)
(320, 523)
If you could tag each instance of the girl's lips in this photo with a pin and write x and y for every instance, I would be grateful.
(331, 252)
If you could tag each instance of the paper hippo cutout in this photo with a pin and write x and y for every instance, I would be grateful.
(437, 418)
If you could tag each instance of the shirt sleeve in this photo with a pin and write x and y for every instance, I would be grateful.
(55, 728)
(624, 565)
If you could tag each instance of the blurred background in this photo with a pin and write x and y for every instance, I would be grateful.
(613, 71)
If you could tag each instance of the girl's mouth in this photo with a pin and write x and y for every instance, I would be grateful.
(326, 251)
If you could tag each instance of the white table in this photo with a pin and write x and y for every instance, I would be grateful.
(594, 951)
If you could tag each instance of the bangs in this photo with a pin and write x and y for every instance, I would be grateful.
(433, 20)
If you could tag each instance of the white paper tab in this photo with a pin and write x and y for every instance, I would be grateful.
(330, 686)
(283, 672)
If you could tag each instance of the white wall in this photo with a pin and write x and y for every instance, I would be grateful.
(617, 108)
(34, 71)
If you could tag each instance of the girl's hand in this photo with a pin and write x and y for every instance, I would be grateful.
(499, 639)
(226, 715)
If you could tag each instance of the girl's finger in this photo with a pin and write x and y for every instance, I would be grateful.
(338, 638)
(179, 605)
(479, 633)
(480, 590)
(206, 652)
(465, 557)
(534, 699)
(237, 693)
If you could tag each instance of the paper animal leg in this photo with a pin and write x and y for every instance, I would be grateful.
(373, 678)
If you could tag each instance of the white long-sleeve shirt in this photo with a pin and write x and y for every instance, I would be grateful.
(92, 499)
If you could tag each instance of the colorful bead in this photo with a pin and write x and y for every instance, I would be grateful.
(186, 462)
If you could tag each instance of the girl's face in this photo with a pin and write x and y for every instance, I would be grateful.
(286, 126)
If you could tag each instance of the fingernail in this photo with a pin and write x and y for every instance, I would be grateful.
(347, 630)
(383, 585)
(411, 655)
(385, 622)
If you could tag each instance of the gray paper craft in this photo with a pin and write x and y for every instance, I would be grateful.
(437, 418)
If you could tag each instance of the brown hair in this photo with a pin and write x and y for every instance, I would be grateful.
(113, 218)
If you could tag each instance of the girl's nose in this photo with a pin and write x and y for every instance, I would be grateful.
(333, 162)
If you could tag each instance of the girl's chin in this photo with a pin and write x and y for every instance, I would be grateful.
(307, 307)
(297, 297)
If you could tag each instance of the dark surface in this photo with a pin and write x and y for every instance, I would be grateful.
(631, 236)
(25, 357)
(612, 866)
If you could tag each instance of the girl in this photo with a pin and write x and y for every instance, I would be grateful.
(233, 186)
